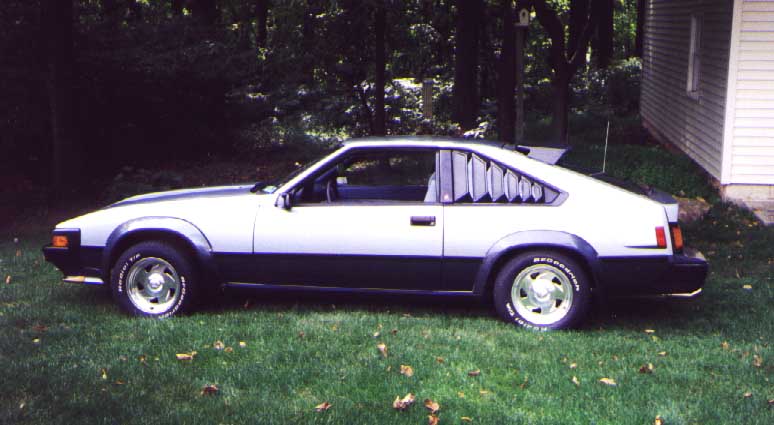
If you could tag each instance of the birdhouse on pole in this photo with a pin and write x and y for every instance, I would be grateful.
(523, 18)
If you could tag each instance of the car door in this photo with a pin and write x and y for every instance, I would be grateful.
(371, 220)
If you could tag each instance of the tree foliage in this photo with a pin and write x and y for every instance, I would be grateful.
(154, 80)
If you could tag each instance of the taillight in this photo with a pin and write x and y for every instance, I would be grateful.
(660, 237)
(677, 237)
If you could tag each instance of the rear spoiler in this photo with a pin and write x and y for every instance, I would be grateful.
(666, 200)
(541, 153)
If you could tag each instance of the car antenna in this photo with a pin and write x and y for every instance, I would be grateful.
(604, 155)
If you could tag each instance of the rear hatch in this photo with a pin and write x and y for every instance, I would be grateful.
(665, 199)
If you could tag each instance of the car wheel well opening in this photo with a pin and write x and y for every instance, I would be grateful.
(516, 251)
(173, 239)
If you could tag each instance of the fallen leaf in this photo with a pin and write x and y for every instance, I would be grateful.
(650, 331)
(242, 344)
(483, 392)
(771, 402)
(322, 407)
(228, 350)
(646, 368)
(403, 403)
(432, 420)
(439, 359)
(575, 381)
(460, 394)
(608, 381)
(615, 358)
(662, 353)
(186, 356)
(18, 253)
(301, 334)
(8, 280)
(466, 419)
(525, 383)
(210, 389)
(382, 348)
(725, 345)
(218, 345)
(474, 372)
(103, 373)
(394, 331)
(748, 287)
(659, 420)
(573, 365)
(377, 334)
(119, 382)
(432, 406)
(36, 341)
(747, 394)
(406, 370)
(141, 358)
(757, 361)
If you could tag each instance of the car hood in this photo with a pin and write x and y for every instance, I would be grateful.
(181, 194)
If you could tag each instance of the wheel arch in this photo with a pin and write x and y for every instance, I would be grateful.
(178, 232)
(517, 243)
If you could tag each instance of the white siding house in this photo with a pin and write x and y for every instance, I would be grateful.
(708, 88)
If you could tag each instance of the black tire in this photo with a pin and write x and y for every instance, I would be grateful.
(177, 289)
(552, 292)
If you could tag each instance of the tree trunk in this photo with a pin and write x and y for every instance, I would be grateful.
(640, 27)
(579, 15)
(177, 7)
(57, 38)
(465, 96)
(506, 81)
(559, 121)
(603, 48)
(261, 19)
(379, 60)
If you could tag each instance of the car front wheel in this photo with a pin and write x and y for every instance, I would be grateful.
(542, 291)
(153, 279)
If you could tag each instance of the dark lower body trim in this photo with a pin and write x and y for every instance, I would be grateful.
(678, 274)
(379, 272)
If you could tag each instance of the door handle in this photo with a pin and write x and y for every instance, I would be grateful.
(423, 220)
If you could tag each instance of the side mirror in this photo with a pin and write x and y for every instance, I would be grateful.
(285, 201)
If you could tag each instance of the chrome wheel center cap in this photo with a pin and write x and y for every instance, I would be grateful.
(542, 289)
(155, 281)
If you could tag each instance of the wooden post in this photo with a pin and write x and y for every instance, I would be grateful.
(427, 98)
(521, 29)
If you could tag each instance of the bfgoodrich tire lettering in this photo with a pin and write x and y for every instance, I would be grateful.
(542, 291)
(153, 279)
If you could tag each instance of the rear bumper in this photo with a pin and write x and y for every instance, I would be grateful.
(682, 275)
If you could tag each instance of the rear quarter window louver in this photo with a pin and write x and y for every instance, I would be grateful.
(479, 180)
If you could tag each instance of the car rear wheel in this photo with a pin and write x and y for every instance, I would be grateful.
(153, 279)
(542, 290)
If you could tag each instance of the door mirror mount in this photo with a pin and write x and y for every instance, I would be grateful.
(285, 201)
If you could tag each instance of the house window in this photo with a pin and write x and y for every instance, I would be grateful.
(694, 57)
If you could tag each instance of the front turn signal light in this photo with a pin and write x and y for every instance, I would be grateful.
(60, 241)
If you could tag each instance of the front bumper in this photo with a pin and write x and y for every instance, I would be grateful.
(79, 264)
(682, 275)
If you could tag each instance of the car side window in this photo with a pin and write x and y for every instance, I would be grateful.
(476, 179)
(377, 176)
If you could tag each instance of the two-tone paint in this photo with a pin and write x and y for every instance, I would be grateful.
(245, 238)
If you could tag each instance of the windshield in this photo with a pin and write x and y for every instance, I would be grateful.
(272, 186)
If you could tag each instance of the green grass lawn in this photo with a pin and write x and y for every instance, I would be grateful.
(69, 356)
